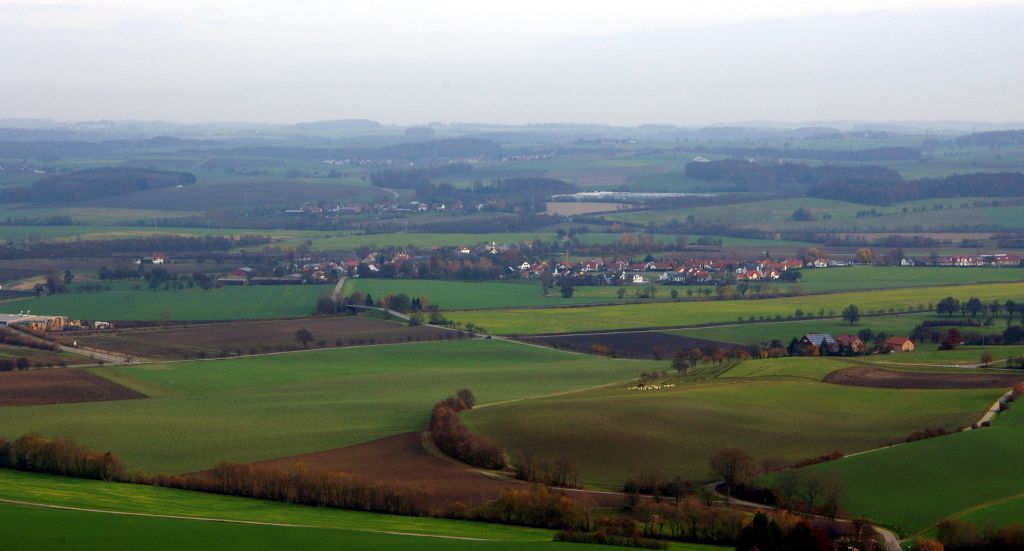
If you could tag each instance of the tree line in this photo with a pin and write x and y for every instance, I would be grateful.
(136, 245)
(94, 183)
(456, 440)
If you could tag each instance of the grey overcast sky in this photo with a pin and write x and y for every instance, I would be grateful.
(627, 62)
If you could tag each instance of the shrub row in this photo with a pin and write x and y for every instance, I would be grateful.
(61, 456)
(455, 439)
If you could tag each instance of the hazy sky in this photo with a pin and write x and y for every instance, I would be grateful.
(625, 62)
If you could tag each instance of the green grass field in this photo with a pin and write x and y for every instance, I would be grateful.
(224, 303)
(681, 314)
(354, 241)
(892, 324)
(914, 486)
(772, 409)
(317, 527)
(888, 277)
(466, 295)
(271, 406)
(207, 521)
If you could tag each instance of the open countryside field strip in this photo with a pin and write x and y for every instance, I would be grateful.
(774, 409)
(916, 485)
(264, 407)
(885, 277)
(111, 496)
(354, 241)
(459, 295)
(895, 324)
(632, 316)
(224, 303)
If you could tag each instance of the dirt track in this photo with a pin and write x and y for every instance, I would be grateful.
(884, 378)
(58, 386)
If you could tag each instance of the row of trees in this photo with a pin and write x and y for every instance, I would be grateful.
(134, 245)
(62, 456)
(456, 440)
(975, 306)
(304, 486)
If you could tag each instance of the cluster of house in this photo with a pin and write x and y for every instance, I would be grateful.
(47, 323)
(335, 208)
(980, 260)
(824, 342)
(688, 271)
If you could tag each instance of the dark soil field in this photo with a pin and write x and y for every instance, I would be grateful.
(643, 345)
(402, 459)
(256, 337)
(58, 386)
(884, 378)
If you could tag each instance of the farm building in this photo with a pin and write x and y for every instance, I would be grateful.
(818, 340)
(39, 323)
(900, 344)
(852, 342)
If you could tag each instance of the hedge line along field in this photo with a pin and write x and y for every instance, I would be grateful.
(680, 314)
(264, 407)
(914, 486)
(773, 409)
(223, 303)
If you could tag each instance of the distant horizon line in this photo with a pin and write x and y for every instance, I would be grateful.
(37, 123)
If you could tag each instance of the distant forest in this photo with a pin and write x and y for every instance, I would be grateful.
(872, 185)
(94, 183)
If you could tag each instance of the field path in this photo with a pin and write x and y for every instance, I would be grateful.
(226, 520)
(336, 294)
(98, 355)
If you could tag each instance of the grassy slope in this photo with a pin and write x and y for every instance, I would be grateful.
(556, 320)
(772, 409)
(32, 528)
(225, 303)
(272, 406)
(71, 492)
(916, 485)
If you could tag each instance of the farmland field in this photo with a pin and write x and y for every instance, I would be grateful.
(464, 295)
(262, 407)
(319, 527)
(646, 344)
(398, 239)
(916, 485)
(59, 386)
(38, 357)
(892, 324)
(224, 303)
(564, 320)
(183, 342)
(886, 277)
(779, 413)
